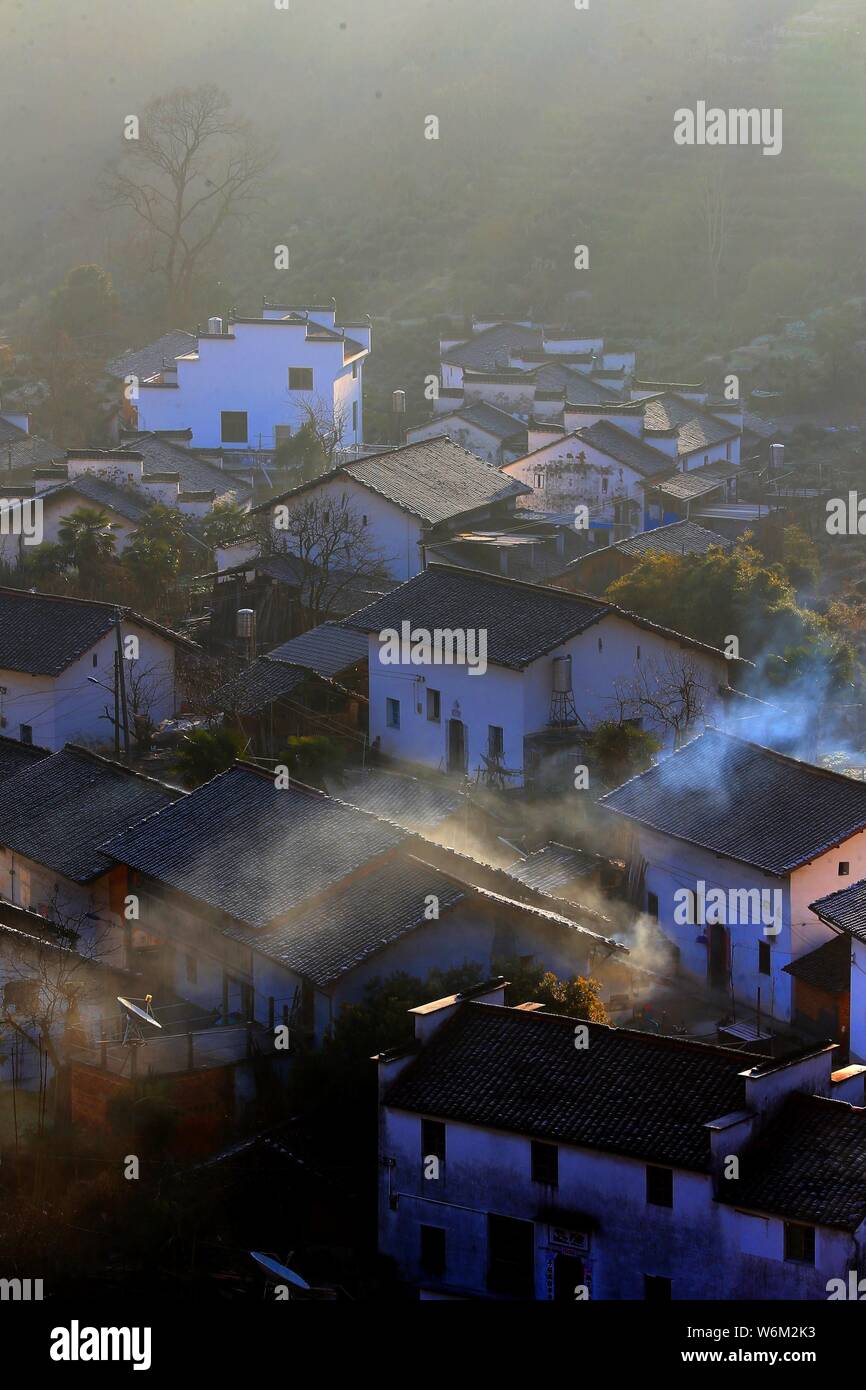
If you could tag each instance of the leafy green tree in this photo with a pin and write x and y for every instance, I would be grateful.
(620, 751)
(311, 757)
(204, 753)
(85, 305)
(224, 524)
(800, 559)
(86, 536)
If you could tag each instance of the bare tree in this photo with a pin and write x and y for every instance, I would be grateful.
(672, 694)
(193, 168)
(332, 543)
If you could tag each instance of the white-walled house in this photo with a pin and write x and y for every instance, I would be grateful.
(755, 837)
(281, 903)
(484, 430)
(528, 1156)
(57, 667)
(403, 499)
(550, 660)
(245, 384)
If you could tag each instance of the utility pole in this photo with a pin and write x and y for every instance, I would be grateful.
(120, 683)
(116, 706)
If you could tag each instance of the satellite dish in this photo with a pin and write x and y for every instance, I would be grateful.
(278, 1271)
(137, 1015)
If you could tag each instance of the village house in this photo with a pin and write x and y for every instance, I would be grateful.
(57, 667)
(404, 500)
(526, 1155)
(272, 700)
(21, 450)
(244, 384)
(504, 344)
(282, 903)
(828, 994)
(593, 572)
(732, 844)
(535, 659)
(485, 431)
(54, 816)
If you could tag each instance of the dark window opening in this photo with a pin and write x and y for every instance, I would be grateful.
(392, 717)
(652, 905)
(659, 1186)
(510, 1256)
(764, 958)
(26, 733)
(800, 1243)
(433, 1249)
(844, 868)
(233, 426)
(434, 706)
(300, 378)
(545, 1163)
(433, 1139)
(495, 741)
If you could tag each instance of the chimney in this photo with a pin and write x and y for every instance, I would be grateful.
(430, 1017)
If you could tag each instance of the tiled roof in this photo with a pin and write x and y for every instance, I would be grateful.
(696, 428)
(845, 909)
(745, 802)
(679, 538)
(355, 919)
(808, 1164)
(257, 686)
(492, 420)
(828, 967)
(250, 849)
(196, 474)
(59, 811)
(18, 449)
(146, 361)
(685, 485)
(553, 867)
(432, 479)
(327, 649)
(343, 592)
(485, 350)
(411, 802)
(578, 388)
(627, 1092)
(624, 447)
(102, 493)
(14, 756)
(44, 633)
(522, 621)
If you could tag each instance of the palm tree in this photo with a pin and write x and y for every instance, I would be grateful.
(87, 539)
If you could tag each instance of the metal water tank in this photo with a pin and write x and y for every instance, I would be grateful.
(561, 675)
(215, 325)
(246, 623)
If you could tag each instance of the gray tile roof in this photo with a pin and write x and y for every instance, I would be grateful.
(809, 1164)
(845, 909)
(59, 810)
(745, 802)
(327, 649)
(146, 361)
(196, 474)
(827, 968)
(355, 919)
(44, 633)
(685, 485)
(522, 621)
(579, 388)
(631, 1093)
(553, 867)
(696, 428)
(624, 447)
(679, 538)
(411, 802)
(491, 419)
(18, 449)
(486, 351)
(102, 493)
(244, 847)
(257, 686)
(14, 756)
(432, 479)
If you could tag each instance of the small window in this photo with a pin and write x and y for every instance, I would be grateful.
(95, 660)
(26, 733)
(604, 484)
(392, 713)
(659, 1186)
(354, 417)
(652, 905)
(233, 426)
(432, 1249)
(600, 645)
(545, 1163)
(764, 958)
(433, 1139)
(800, 1243)
(656, 1289)
(638, 653)
(300, 378)
(354, 371)
(434, 706)
(844, 868)
(495, 741)
(191, 969)
(365, 520)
